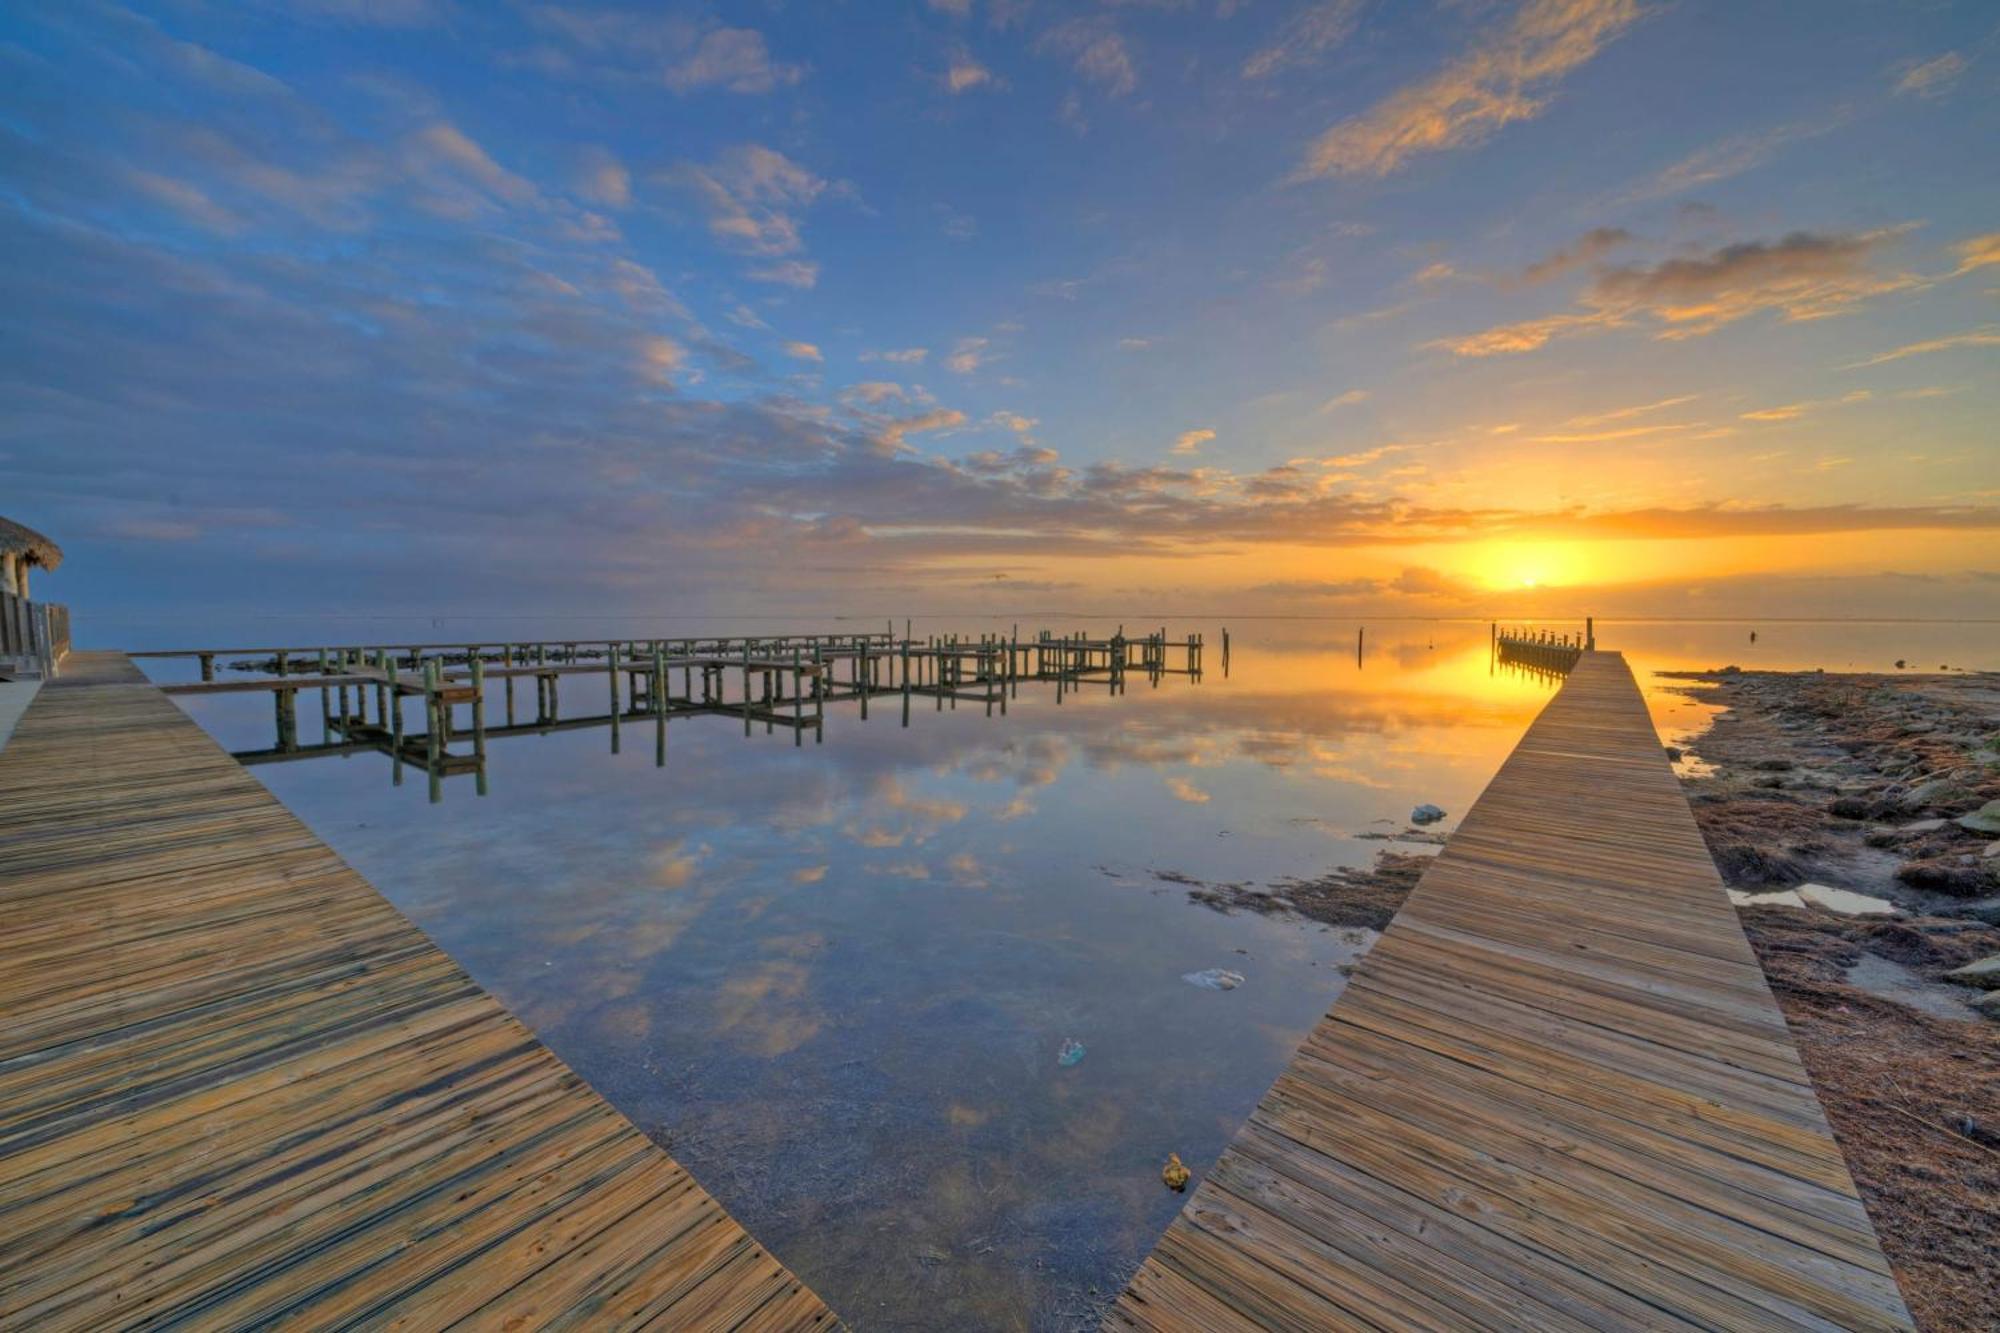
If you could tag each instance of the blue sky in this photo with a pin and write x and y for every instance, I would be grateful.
(1441, 307)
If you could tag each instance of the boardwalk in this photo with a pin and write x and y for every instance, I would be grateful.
(1556, 1095)
(238, 1089)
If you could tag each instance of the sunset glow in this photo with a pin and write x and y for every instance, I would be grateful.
(985, 305)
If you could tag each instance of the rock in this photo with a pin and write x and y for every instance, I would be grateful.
(1986, 819)
(1674, 754)
(1920, 827)
(1992, 849)
(1946, 875)
(1988, 1005)
(1426, 814)
(1213, 978)
(1773, 765)
(1984, 974)
(1850, 807)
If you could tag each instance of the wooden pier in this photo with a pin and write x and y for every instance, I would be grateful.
(774, 682)
(1556, 1094)
(239, 1090)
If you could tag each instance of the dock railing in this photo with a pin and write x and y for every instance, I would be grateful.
(34, 636)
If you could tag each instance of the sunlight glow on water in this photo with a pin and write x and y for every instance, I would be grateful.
(835, 980)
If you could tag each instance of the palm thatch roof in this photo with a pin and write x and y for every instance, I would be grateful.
(38, 550)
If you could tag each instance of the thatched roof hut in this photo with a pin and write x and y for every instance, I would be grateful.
(21, 547)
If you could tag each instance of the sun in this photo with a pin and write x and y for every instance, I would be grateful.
(1505, 565)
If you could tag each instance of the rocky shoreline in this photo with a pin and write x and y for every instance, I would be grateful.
(1880, 795)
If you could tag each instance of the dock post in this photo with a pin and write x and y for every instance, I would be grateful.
(396, 719)
(208, 666)
(1590, 633)
(611, 671)
(819, 696)
(479, 723)
(746, 687)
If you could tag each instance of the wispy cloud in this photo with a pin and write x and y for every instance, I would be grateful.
(1931, 78)
(967, 354)
(1304, 37)
(1188, 441)
(1504, 77)
(803, 351)
(1989, 336)
(673, 51)
(1095, 51)
(1793, 411)
(1979, 252)
(1726, 158)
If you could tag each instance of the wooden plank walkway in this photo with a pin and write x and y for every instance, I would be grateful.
(1557, 1094)
(239, 1090)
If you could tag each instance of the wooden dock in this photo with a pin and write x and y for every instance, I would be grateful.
(1557, 1094)
(239, 1090)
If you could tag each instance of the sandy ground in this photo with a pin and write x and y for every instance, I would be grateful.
(1850, 783)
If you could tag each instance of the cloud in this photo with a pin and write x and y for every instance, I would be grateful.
(1627, 413)
(1725, 159)
(802, 273)
(906, 356)
(1305, 37)
(754, 197)
(603, 179)
(1505, 77)
(1349, 398)
(683, 56)
(966, 355)
(1183, 790)
(803, 351)
(1134, 344)
(1586, 249)
(1978, 252)
(444, 147)
(1988, 336)
(189, 201)
(1014, 421)
(890, 437)
(1801, 276)
(1793, 411)
(1096, 51)
(373, 13)
(1932, 78)
(875, 392)
(963, 74)
(660, 357)
(1188, 441)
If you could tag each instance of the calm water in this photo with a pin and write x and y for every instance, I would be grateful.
(834, 980)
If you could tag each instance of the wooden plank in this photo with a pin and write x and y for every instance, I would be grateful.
(1556, 1094)
(238, 1089)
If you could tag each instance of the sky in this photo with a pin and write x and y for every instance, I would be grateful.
(1467, 307)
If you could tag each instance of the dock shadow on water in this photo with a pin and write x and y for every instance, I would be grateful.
(927, 1006)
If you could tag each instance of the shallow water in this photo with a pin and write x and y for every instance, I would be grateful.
(835, 980)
